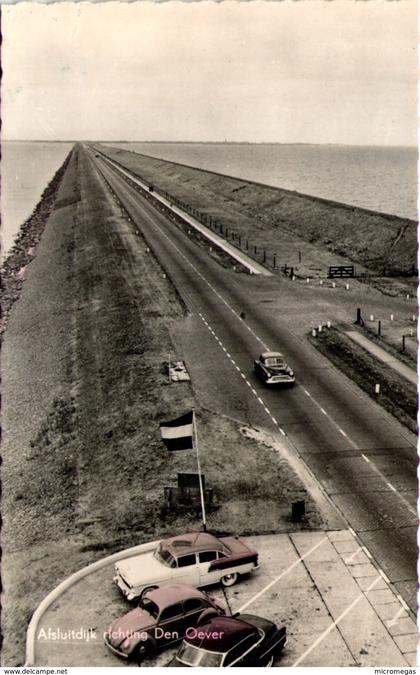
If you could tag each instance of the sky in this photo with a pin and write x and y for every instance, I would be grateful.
(306, 71)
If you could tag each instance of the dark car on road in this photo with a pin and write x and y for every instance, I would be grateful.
(164, 616)
(243, 640)
(272, 368)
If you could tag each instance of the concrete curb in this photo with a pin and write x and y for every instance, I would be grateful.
(67, 583)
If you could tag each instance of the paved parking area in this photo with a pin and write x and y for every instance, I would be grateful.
(338, 609)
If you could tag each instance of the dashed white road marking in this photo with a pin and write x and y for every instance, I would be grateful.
(265, 346)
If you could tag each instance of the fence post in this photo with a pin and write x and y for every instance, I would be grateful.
(359, 316)
(403, 344)
(379, 328)
(274, 260)
(291, 273)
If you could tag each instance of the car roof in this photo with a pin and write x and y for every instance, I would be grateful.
(193, 542)
(268, 355)
(230, 631)
(168, 595)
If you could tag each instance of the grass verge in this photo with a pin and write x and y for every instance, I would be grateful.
(397, 396)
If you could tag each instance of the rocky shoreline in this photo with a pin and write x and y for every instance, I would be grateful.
(13, 269)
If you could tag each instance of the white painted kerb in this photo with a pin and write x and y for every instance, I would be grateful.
(67, 583)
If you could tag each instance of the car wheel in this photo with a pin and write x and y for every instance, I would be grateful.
(144, 649)
(146, 590)
(270, 662)
(229, 579)
(206, 616)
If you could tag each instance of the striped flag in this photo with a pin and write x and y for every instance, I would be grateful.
(178, 434)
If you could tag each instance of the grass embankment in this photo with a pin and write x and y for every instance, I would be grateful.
(284, 222)
(397, 396)
(90, 480)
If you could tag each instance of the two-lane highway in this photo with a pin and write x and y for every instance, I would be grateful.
(362, 457)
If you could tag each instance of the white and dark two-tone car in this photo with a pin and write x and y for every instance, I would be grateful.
(197, 558)
(272, 369)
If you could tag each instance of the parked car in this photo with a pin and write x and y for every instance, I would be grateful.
(225, 641)
(197, 558)
(162, 618)
(271, 368)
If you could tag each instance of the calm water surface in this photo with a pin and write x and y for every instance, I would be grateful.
(378, 178)
(26, 169)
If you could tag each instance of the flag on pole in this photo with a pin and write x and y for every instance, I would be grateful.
(178, 434)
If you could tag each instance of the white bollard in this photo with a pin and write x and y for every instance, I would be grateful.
(164, 275)
(313, 332)
(320, 282)
(413, 318)
(333, 284)
(328, 324)
(347, 287)
(392, 317)
(371, 318)
(320, 328)
(377, 388)
(293, 277)
(408, 296)
(307, 280)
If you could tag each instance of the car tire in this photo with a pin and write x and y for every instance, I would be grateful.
(206, 616)
(144, 649)
(144, 591)
(229, 579)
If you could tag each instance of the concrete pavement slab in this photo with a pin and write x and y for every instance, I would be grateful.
(365, 582)
(358, 622)
(401, 626)
(340, 535)
(389, 610)
(412, 659)
(356, 558)
(368, 570)
(380, 596)
(347, 546)
(407, 643)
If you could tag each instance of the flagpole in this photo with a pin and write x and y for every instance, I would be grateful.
(203, 511)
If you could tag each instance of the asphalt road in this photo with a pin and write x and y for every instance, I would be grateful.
(364, 459)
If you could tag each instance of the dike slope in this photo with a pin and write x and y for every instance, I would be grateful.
(270, 216)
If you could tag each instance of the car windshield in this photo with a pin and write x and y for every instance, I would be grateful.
(192, 656)
(274, 361)
(150, 607)
(163, 555)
